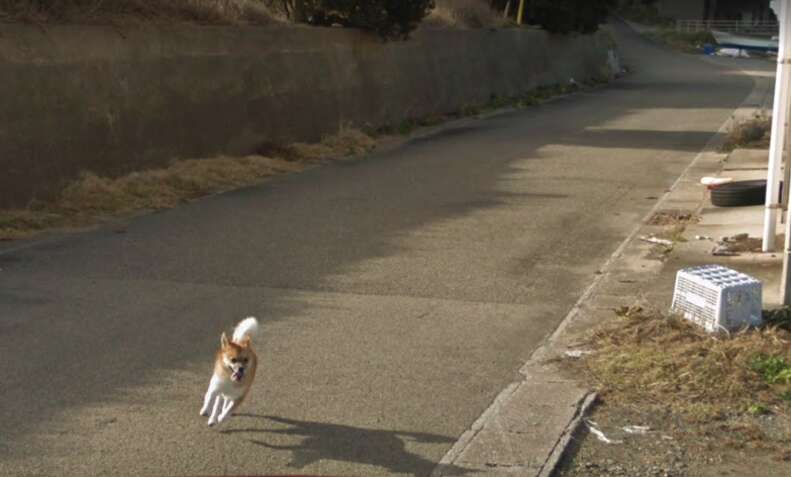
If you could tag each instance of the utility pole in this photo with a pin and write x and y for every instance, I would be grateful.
(521, 13)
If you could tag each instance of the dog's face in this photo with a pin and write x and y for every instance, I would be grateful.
(236, 357)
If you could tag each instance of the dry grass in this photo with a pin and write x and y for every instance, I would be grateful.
(673, 217)
(101, 11)
(753, 133)
(743, 243)
(349, 142)
(91, 197)
(674, 223)
(674, 233)
(464, 14)
(649, 357)
(167, 187)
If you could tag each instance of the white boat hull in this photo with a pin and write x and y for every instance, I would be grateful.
(731, 40)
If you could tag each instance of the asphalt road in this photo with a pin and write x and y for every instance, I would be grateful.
(398, 294)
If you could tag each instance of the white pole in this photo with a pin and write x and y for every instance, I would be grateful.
(777, 147)
(779, 121)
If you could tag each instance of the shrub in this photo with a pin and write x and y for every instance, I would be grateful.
(689, 42)
(566, 16)
(390, 19)
(465, 13)
(645, 13)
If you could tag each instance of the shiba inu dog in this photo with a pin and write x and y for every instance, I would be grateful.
(234, 372)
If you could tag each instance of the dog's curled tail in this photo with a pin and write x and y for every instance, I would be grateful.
(246, 328)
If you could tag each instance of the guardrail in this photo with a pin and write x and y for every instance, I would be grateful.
(764, 28)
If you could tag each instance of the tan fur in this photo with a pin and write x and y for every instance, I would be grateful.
(233, 350)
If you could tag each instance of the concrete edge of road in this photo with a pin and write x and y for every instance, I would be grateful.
(512, 436)
(567, 435)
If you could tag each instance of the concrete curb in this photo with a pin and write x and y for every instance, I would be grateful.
(509, 438)
(568, 434)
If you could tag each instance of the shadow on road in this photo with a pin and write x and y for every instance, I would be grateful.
(323, 441)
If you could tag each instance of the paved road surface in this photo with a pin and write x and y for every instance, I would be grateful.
(399, 293)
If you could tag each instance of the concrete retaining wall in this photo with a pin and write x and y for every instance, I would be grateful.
(93, 98)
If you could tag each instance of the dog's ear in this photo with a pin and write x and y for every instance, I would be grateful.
(224, 340)
(245, 342)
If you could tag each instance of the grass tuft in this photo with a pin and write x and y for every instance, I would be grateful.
(348, 142)
(673, 217)
(774, 369)
(751, 133)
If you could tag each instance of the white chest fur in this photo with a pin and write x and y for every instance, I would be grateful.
(228, 389)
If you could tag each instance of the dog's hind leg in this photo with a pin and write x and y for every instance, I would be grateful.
(227, 408)
(237, 402)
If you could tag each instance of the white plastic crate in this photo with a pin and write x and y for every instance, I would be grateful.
(717, 298)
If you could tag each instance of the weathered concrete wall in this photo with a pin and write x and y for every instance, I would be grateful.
(91, 98)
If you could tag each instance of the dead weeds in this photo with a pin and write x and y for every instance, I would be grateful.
(741, 243)
(673, 217)
(657, 358)
(674, 223)
(752, 133)
(349, 142)
(674, 233)
(90, 198)
(712, 404)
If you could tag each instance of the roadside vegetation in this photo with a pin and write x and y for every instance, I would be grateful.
(658, 359)
(135, 11)
(683, 41)
(530, 98)
(639, 11)
(466, 14)
(567, 16)
(647, 14)
(674, 400)
(750, 133)
(91, 199)
(389, 19)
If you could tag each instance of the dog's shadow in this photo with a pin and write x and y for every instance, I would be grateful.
(322, 441)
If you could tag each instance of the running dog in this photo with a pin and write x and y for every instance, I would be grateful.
(234, 372)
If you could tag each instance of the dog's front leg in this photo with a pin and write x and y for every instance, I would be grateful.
(215, 410)
(211, 393)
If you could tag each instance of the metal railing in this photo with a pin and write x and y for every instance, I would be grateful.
(763, 28)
